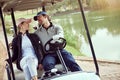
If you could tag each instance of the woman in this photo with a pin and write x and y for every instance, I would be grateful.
(26, 50)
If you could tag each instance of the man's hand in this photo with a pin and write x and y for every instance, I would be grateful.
(56, 37)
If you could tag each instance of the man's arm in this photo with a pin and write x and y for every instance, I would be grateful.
(59, 32)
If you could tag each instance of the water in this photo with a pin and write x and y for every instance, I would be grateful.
(104, 27)
(106, 45)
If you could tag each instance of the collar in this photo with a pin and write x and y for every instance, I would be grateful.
(20, 33)
(51, 25)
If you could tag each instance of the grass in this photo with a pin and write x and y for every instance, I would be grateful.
(73, 51)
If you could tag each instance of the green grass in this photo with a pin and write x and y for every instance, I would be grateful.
(73, 51)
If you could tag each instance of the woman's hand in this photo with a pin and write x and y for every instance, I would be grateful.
(40, 66)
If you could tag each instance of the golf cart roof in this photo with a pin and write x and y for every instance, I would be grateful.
(21, 5)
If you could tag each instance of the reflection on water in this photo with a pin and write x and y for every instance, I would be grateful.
(104, 27)
(105, 45)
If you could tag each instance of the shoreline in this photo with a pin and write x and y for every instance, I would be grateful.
(90, 59)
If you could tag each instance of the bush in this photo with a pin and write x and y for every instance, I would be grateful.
(98, 4)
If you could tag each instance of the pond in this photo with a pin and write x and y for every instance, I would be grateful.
(104, 27)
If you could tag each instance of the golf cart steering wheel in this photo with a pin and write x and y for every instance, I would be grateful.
(53, 45)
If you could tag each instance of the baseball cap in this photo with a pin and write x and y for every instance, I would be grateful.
(20, 20)
(38, 14)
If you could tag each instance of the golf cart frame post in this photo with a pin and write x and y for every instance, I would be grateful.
(6, 40)
(89, 38)
(14, 22)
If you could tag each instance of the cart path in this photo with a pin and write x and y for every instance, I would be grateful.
(109, 70)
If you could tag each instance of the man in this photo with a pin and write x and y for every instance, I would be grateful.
(45, 32)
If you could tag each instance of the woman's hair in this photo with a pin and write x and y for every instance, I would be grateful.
(19, 27)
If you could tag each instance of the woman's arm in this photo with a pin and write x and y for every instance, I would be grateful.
(39, 47)
(14, 50)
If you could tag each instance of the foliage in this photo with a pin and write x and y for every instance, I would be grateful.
(63, 6)
(98, 4)
(71, 40)
(73, 50)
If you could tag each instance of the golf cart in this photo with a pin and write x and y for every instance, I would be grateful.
(50, 46)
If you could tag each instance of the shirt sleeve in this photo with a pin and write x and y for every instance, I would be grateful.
(59, 32)
(14, 50)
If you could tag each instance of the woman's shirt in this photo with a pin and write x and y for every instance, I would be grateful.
(27, 48)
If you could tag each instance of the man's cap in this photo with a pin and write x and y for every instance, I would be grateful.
(20, 20)
(38, 14)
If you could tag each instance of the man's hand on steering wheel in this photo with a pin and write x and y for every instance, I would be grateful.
(55, 38)
(53, 44)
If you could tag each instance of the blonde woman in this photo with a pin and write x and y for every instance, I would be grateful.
(26, 50)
